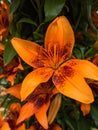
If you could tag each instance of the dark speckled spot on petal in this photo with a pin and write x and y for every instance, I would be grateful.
(60, 76)
(58, 79)
(32, 97)
(67, 71)
(39, 102)
(38, 63)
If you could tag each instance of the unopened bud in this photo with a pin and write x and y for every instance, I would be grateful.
(54, 107)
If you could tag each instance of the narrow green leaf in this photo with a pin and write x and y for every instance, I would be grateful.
(52, 8)
(94, 113)
(14, 6)
(77, 53)
(9, 53)
(12, 28)
(83, 123)
(27, 20)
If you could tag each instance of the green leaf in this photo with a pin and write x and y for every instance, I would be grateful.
(77, 53)
(69, 122)
(91, 52)
(86, 12)
(12, 28)
(37, 35)
(9, 53)
(14, 6)
(27, 20)
(83, 123)
(94, 113)
(52, 8)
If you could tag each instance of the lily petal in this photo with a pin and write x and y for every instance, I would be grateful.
(85, 108)
(33, 79)
(26, 111)
(85, 68)
(5, 126)
(14, 90)
(42, 118)
(32, 53)
(59, 36)
(70, 83)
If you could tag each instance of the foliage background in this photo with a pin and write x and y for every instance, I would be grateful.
(28, 19)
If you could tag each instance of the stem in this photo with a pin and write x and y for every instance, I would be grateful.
(37, 30)
(32, 2)
(39, 9)
(78, 21)
(89, 8)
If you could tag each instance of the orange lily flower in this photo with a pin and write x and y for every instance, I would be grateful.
(4, 22)
(37, 103)
(10, 70)
(53, 61)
